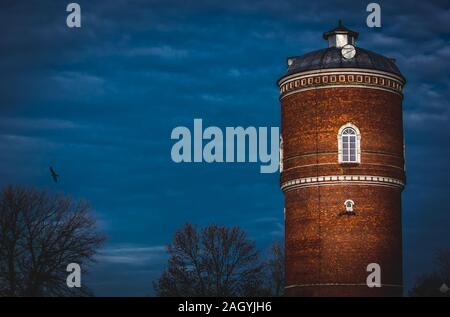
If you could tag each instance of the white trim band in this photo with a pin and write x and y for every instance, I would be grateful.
(338, 86)
(341, 180)
(328, 78)
(339, 71)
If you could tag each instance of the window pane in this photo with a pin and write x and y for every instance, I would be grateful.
(349, 146)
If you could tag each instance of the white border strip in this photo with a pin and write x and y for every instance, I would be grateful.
(341, 179)
(338, 284)
(339, 86)
(340, 71)
(336, 72)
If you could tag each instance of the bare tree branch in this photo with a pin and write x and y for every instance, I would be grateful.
(213, 261)
(40, 234)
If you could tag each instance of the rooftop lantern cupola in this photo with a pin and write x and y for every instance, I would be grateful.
(340, 36)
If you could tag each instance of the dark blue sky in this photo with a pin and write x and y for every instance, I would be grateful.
(99, 104)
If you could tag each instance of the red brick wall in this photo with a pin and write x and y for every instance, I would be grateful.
(322, 245)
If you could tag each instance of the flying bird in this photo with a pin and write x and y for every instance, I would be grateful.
(54, 175)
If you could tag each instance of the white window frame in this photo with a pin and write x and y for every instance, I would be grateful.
(358, 144)
(281, 153)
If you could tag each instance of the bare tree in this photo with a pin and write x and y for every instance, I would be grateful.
(435, 284)
(213, 261)
(275, 268)
(40, 234)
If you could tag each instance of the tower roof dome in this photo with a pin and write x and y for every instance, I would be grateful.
(331, 57)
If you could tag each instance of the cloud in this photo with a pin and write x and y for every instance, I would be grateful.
(164, 51)
(132, 255)
(266, 219)
(23, 123)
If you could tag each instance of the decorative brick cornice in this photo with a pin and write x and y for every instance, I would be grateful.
(340, 180)
(359, 78)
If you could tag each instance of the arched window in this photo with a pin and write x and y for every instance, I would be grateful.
(349, 144)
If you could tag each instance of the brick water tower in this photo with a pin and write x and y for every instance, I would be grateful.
(342, 169)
